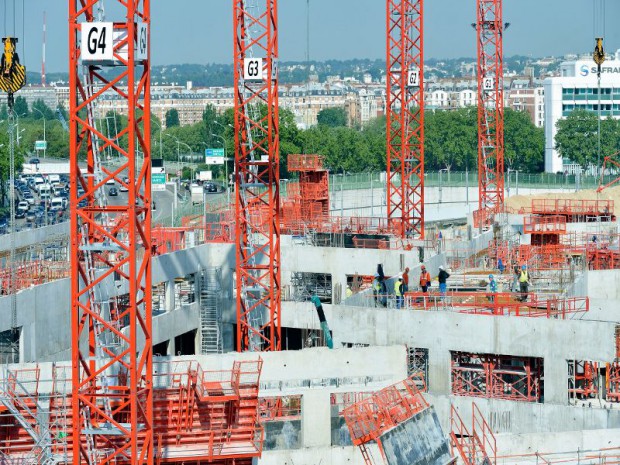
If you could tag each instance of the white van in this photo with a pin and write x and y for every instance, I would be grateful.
(45, 190)
(58, 203)
(38, 180)
(53, 179)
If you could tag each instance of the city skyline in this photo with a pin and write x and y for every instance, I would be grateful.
(206, 35)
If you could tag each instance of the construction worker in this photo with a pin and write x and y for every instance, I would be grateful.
(442, 277)
(348, 292)
(376, 289)
(425, 279)
(524, 283)
(406, 280)
(398, 292)
(492, 288)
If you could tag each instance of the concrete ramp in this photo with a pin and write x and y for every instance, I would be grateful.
(417, 441)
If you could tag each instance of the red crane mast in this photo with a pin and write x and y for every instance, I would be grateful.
(490, 28)
(112, 385)
(405, 117)
(257, 175)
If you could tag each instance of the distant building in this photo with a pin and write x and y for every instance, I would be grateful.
(575, 88)
(527, 96)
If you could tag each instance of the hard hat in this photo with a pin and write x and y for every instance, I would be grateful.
(490, 276)
(523, 267)
(441, 267)
(423, 267)
(376, 275)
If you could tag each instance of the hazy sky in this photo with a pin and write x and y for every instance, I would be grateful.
(200, 31)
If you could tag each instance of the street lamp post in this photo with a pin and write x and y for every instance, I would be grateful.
(44, 138)
(160, 132)
(225, 165)
(440, 184)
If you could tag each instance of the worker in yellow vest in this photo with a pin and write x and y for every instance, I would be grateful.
(524, 283)
(398, 291)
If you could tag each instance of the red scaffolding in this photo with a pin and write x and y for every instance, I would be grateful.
(199, 415)
(405, 117)
(490, 28)
(257, 197)
(497, 376)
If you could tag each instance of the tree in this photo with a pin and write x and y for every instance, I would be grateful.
(172, 118)
(332, 117)
(524, 143)
(576, 139)
(21, 107)
(43, 110)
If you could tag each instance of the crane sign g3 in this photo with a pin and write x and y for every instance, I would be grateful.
(12, 72)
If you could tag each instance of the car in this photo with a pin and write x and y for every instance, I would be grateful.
(210, 187)
(113, 192)
(23, 205)
(34, 161)
(19, 214)
(29, 199)
(123, 188)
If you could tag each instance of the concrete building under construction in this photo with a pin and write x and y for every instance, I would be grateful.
(289, 326)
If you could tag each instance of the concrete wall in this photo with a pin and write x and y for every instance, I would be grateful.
(442, 332)
(417, 441)
(43, 312)
(30, 237)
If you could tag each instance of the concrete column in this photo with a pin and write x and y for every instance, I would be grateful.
(439, 373)
(171, 347)
(170, 304)
(556, 381)
(316, 419)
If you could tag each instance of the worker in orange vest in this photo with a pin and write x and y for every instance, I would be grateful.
(425, 279)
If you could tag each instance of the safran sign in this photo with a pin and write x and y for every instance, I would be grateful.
(586, 69)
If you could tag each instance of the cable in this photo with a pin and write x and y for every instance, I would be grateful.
(23, 32)
(14, 18)
(4, 18)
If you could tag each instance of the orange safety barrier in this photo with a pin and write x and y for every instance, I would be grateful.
(498, 304)
(554, 224)
(573, 208)
(32, 273)
(305, 162)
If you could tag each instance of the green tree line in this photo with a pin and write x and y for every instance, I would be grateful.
(577, 138)
(450, 138)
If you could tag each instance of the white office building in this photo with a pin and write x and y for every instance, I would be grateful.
(577, 87)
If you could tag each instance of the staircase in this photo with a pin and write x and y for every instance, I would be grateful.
(210, 312)
(475, 446)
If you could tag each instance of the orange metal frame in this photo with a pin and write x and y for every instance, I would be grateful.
(200, 415)
(257, 176)
(498, 304)
(555, 224)
(477, 445)
(490, 29)
(112, 386)
(609, 160)
(573, 209)
(497, 376)
(369, 418)
(405, 118)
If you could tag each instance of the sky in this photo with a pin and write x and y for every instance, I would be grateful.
(200, 31)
